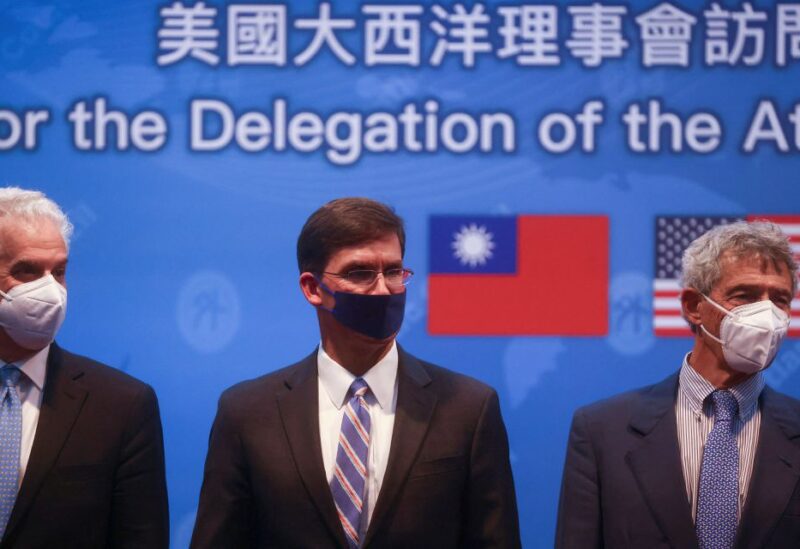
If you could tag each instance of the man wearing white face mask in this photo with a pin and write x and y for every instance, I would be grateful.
(81, 451)
(709, 457)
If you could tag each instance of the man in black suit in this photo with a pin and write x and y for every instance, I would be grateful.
(359, 444)
(81, 451)
(709, 457)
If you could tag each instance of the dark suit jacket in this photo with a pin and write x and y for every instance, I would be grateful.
(95, 477)
(623, 483)
(447, 483)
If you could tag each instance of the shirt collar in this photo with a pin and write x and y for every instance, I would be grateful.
(34, 367)
(381, 378)
(696, 388)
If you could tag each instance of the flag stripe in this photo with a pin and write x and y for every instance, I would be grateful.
(674, 332)
(667, 284)
(671, 294)
(666, 304)
(671, 322)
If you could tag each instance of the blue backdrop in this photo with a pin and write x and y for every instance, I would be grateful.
(183, 272)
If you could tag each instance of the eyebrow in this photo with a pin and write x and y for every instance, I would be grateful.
(357, 266)
(33, 264)
(756, 288)
(25, 264)
(369, 266)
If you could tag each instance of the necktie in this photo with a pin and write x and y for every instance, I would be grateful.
(350, 477)
(10, 438)
(718, 499)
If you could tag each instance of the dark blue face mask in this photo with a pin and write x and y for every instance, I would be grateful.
(375, 316)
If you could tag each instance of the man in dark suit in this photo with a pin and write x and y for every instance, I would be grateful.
(359, 444)
(81, 451)
(709, 457)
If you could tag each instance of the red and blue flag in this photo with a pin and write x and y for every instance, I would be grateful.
(518, 275)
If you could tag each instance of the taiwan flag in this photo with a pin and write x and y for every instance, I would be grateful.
(518, 275)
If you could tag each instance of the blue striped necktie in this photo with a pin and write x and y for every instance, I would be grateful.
(350, 477)
(10, 440)
(718, 499)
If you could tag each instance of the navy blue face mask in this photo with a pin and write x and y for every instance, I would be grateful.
(375, 316)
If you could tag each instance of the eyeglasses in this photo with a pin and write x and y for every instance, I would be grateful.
(367, 277)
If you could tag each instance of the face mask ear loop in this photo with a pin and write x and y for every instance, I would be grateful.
(6, 296)
(712, 336)
(718, 306)
(326, 290)
(721, 308)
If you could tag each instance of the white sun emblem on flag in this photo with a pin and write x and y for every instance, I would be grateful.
(473, 245)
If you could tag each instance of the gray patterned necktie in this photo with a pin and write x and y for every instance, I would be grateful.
(718, 499)
(10, 440)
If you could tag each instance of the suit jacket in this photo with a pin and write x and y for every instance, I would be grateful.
(623, 483)
(447, 483)
(95, 477)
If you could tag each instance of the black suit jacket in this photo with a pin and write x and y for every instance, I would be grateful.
(447, 483)
(623, 482)
(95, 477)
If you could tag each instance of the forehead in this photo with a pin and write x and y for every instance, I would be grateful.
(22, 237)
(752, 269)
(382, 250)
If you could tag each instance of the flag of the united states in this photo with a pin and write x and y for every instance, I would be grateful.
(673, 236)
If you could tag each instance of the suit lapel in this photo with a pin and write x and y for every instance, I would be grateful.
(415, 404)
(656, 463)
(62, 399)
(775, 471)
(299, 409)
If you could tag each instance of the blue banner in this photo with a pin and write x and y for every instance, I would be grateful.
(189, 141)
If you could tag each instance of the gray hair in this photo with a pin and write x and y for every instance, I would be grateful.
(701, 260)
(32, 205)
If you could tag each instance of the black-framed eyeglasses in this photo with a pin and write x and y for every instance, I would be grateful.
(367, 277)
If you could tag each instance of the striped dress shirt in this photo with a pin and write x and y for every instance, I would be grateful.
(695, 417)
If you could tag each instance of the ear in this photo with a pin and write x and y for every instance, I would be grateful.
(691, 300)
(311, 290)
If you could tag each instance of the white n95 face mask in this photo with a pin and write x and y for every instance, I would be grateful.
(751, 334)
(31, 313)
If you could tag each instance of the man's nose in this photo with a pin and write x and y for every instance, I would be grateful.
(764, 295)
(380, 287)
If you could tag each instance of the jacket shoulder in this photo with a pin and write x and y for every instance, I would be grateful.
(621, 406)
(113, 383)
(252, 392)
(449, 382)
(782, 399)
(783, 409)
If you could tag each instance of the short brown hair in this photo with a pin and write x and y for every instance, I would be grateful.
(341, 223)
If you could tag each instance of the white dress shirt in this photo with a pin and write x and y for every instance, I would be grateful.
(334, 382)
(31, 384)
